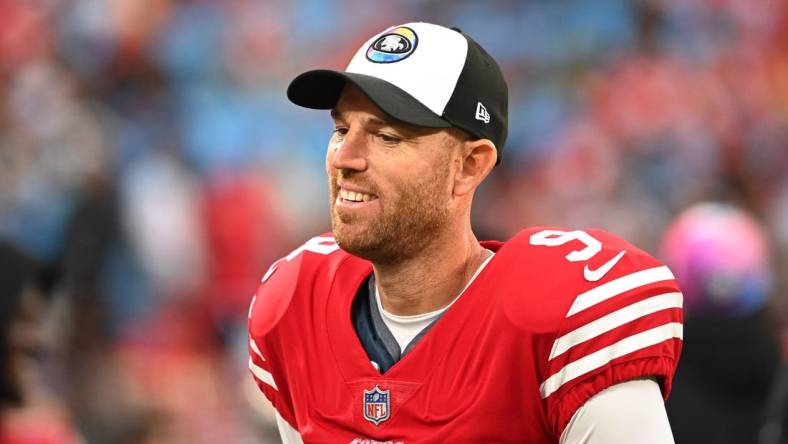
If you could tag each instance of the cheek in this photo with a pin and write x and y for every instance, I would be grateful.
(429, 186)
(405, 186)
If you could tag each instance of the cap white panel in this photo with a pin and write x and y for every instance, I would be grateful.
(429, 73)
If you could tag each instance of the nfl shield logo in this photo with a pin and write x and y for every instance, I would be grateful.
(377, 405)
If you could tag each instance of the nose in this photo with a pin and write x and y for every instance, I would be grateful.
(350, 154)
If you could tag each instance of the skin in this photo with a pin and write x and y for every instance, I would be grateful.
(416, 226)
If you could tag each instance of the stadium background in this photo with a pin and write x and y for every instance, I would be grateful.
(148, 148)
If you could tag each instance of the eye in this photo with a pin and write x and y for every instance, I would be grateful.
(389, 139)
(339, 132)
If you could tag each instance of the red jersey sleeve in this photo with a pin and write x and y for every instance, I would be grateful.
(267, 346)
(261, 371)
(615, 314)
(268, 305)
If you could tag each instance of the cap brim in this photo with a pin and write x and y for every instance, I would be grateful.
(320, 89)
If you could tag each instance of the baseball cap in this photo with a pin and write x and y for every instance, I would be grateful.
(423, 74)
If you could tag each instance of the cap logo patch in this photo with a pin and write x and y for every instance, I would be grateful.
(393, 46)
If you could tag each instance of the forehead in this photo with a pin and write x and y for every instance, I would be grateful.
(354, 103)
(353, 99)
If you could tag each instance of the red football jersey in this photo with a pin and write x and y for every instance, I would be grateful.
(554, 318)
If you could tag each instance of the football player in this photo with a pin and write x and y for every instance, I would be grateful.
(401, 327)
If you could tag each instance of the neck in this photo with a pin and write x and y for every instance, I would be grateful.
(433, 278)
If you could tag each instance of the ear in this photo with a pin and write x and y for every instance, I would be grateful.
(478, 158)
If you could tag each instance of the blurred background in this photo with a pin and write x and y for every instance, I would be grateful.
(149, 155)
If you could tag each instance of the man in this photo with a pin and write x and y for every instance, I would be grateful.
(20, 300)
(402, 327)
(25, 289)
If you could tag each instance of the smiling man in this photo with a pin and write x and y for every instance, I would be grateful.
(401, 326)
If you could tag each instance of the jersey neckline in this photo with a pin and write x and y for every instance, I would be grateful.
(416, 366)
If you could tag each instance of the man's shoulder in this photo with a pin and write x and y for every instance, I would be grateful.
(310, 268)
(546, 274)
(603, 311)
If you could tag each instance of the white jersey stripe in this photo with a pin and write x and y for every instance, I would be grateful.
(605, 355)
(615, 319)
(618, 286)
(255, 348)
(261, 374)
(288, 434)
(251, 306)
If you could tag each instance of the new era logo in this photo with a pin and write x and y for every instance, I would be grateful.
(481, 113)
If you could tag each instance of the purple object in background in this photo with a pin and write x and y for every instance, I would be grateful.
(719, 254)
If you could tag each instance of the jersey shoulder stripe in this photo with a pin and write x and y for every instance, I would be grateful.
(603, 321)
(615, 319)
(605, 355)
(618, 286)
(601, 311)
(256, 361)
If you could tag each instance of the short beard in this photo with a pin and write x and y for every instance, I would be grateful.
(404, 228)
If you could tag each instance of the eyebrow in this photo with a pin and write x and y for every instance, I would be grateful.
(403, 128)
(336, 115)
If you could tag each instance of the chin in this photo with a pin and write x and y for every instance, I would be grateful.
(356, 241)
(349, 238)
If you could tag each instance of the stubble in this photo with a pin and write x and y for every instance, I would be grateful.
(403, 227)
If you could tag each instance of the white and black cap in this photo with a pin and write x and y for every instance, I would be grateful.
(422, 74)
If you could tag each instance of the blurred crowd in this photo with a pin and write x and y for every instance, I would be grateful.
(149, 156)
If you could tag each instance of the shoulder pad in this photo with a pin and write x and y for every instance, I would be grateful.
(315, 259)
(557, 273)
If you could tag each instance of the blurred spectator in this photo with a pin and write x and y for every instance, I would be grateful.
(29, 411)
(722, 260)
(237, 246)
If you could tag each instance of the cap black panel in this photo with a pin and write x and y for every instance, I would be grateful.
(480, 81)
(320, 89)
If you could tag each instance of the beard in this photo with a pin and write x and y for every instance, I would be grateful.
(404, 225)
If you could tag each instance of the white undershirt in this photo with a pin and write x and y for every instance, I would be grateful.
(405, 328)
(631, 412)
